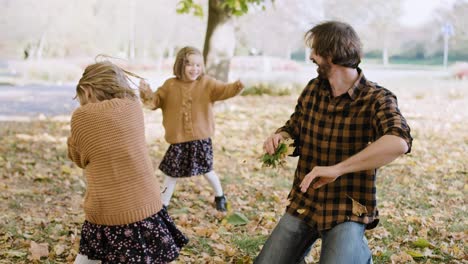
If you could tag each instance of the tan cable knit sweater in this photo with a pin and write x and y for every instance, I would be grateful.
(187, 106)
(107, 140)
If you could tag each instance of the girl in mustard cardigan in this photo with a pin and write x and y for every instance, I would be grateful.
(187, 102)
(125, 219)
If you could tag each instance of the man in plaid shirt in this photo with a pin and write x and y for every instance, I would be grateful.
(344, 128)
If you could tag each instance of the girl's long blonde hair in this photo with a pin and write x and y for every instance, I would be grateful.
(105, 81)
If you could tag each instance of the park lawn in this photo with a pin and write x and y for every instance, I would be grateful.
(422, 196)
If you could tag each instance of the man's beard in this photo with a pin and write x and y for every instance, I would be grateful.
(323, 70)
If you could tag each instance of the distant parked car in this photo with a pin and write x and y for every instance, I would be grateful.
(460, 70)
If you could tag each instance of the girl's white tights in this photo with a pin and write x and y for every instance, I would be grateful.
(170, 183)
(83, 259)
(168, 189)
(213, 179)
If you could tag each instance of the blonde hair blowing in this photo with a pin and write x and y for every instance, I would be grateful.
(181, 61)
(106, 81)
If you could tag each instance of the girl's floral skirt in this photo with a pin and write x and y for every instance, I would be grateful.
(155, 239)
(188, 159)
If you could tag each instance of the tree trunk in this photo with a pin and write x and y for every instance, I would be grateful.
(40, 47)
(220, 41)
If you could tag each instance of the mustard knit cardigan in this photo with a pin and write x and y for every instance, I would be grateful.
(107, 140)
(187, 106)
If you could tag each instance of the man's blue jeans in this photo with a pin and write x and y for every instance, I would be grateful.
(292, 239)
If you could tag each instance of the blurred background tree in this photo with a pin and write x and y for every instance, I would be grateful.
(220, 38)
(152, 30)
(457, 16)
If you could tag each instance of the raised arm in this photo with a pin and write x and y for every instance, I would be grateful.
(150, 99)
(221, 91)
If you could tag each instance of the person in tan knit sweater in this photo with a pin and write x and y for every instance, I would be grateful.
(186, 101)
(125, 221)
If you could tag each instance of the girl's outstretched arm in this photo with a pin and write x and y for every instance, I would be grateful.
(222, 91)
(150, 99)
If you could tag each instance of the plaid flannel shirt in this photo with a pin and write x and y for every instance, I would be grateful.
(326, 131)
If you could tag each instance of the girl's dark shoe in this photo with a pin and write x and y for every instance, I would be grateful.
(221, 203)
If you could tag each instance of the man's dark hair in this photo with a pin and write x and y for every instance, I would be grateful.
(335, 40)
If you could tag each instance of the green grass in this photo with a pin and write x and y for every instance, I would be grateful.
(198, 245)
(249, 244)
(271, 88)
(383, 258)
(15, 205)
(396, 230)
(429, 62)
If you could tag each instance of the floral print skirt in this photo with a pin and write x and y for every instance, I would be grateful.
(188, 159)
(155, 239)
